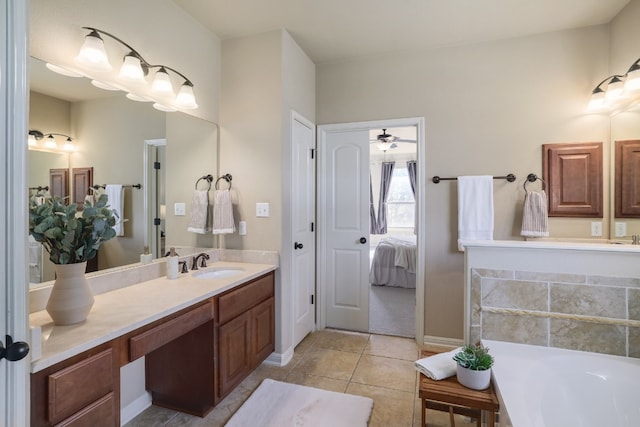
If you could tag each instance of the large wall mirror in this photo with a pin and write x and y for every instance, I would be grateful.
(113, 135)
(625, 126)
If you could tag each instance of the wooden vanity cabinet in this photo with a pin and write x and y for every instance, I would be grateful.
(81, 391)
(245, 331)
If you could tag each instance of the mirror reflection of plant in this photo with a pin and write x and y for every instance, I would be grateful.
(70, 236)
(475, 357)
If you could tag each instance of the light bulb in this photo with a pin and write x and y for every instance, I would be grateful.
(597, 102)
(162, 83)
(186, 99)
(68, 145)
(32, 141)
(131, 70)
(50, 142)
(632, 82)
(92, 54)
(614, 88)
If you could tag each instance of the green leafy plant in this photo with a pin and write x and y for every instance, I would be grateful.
(70, 236)
(475, 357)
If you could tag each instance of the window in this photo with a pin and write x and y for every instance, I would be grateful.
(400, 202)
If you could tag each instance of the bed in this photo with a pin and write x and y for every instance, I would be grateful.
(394, 263)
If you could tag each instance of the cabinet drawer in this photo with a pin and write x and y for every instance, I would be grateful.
(162, 334)
(239, 300)
(79, 385)
(100, 413)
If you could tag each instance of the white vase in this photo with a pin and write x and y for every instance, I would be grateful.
(477, 380)
(71, 298)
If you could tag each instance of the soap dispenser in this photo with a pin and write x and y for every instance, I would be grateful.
(146, 257)
(172, 264)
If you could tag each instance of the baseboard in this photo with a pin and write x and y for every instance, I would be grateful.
(134, 408)
(279, 359)
(449, 342)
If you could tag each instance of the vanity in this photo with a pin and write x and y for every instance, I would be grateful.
(200, 338)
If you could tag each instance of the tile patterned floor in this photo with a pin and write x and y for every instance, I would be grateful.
(376, 366)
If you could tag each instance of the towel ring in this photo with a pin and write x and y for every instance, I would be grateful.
(207, 178)
(532, 177)
(227, 177)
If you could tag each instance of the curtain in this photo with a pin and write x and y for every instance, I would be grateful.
(385, 182)
(373, 223)
(411, 168)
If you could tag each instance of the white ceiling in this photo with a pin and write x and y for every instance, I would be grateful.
(330, 30)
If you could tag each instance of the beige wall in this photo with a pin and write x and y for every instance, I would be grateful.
(161, 31)
(488, 108)
(110, 136)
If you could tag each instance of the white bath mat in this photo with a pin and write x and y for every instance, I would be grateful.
(278, 404)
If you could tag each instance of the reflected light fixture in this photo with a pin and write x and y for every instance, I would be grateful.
(617, 92)
(134, 71)
(50, 140)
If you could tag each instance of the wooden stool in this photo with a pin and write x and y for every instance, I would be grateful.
(450, 396)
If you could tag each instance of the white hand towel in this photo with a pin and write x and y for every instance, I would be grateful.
(223, 222)
(535, 215)
(475, 209)
(199, 221)
(439, 366)
(115, 198)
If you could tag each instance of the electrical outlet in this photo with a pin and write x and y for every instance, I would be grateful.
(262, 209)
(596, 229)
(242, 228)
(621, 229)
(180, 209)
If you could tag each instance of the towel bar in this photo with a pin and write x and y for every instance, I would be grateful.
(510, 177)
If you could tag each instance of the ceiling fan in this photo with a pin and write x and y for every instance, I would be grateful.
(386, 141)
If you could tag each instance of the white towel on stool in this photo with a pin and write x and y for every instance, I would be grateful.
(475, 208)
(199, 220)
(535, 215)
(116, 202)
(223, 222)
(439, 366)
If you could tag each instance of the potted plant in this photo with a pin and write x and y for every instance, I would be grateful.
(474, 366)
(71, 238)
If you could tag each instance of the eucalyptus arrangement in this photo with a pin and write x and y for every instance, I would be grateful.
(70, 236)
(474, 357)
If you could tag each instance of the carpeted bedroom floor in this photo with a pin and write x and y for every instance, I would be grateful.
(376, 366)
(392, 311)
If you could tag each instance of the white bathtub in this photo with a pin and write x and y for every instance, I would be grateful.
(551, 387)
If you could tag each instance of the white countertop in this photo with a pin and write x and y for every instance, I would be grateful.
(123, 310)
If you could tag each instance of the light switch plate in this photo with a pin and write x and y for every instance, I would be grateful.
(180, 209)
(596, 229)
(621, 229)
(262, 210)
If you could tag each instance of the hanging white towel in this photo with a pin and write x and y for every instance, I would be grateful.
(115, 199)
(475, 208)
(535, 217)
(199, 221)
(223, 222)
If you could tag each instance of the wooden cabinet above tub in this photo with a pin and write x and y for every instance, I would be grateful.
(181, 352)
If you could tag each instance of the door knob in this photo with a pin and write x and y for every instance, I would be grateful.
(363, 240)
(297, 245)
(14, 351)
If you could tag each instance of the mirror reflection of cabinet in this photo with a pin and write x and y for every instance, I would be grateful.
(59, 183)
(573, 173)
(627, 179)
(82, 179)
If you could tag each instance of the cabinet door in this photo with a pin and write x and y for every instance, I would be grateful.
(263, 330)
(234, 353)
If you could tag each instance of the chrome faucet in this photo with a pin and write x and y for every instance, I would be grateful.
(203, 263)
(635, 239)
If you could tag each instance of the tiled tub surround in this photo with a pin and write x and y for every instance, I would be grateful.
(574, 304)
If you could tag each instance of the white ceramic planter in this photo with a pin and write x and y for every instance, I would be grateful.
(477, 380)
(71, 299)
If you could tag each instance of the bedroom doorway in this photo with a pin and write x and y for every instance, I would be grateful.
(393, 239)
(345, 241)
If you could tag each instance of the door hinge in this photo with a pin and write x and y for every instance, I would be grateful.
(156, 221)
(313, 153)
(312, 227)
(156, 165)
(312, 299)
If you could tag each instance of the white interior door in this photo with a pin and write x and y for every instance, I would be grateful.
(344, 204)
(303, 226)
(14, 375)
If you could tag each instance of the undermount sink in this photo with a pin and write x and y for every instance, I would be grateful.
(218, 272)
